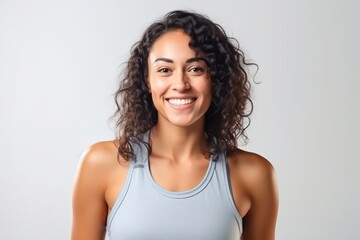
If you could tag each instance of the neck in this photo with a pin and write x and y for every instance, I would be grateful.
(178, 143)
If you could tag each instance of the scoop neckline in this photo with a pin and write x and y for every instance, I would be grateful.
(181, 194)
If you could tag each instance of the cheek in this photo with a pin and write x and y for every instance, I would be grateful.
(207, 88)
(157, 88)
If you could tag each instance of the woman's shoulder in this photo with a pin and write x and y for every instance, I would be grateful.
(251, 168)
(100, 154)
(101, 158)
(100, 172)
(244, 158)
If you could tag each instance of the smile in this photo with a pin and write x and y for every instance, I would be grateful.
(181, 102)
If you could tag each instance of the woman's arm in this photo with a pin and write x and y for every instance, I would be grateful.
(256, 178)
(89, 205)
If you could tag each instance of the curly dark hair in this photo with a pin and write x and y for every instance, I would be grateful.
(228, 115)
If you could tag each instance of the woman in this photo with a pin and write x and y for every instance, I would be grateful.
(175, 171)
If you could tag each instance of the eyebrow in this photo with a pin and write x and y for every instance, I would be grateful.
(190, 60)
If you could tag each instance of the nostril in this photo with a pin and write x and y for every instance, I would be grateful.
(182, 87)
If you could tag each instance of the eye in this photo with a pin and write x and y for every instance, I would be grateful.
(196, 70)
(164, 70)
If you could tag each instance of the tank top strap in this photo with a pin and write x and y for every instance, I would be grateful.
(121, 195)
(141, 154)
(222, 170)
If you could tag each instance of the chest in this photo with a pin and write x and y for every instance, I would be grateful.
(160, 217)
(177, 177)
(144, 210)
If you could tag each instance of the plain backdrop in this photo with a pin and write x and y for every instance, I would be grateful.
(59, 62)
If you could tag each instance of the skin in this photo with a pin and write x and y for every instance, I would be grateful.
(175, 72)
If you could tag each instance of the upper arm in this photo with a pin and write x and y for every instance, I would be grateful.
(89, 205)
(260, 220)
(255, 194)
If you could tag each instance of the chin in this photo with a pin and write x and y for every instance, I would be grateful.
(185, 122)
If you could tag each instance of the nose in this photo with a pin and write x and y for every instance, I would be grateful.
(180, 81)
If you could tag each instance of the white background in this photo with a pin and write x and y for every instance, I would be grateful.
(59, 62)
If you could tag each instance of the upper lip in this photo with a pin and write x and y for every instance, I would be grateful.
(181, 97)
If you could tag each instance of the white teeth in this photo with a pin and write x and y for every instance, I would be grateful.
(179, 102)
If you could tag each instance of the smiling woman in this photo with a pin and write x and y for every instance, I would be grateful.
(175, 171)
(179, 82)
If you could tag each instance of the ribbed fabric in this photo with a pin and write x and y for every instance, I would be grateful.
(145, 211)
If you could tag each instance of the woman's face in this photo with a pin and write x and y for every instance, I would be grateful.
(178, 80)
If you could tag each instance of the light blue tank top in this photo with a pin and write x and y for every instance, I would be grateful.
(145, 211)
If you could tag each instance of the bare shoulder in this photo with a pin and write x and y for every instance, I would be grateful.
(98, 162)
(98, 165)
(100, 154)
(252, 168)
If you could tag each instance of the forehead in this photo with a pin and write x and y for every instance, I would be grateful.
(173, 45)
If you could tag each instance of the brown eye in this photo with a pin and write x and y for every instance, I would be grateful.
(196, 70)
(164, 70)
